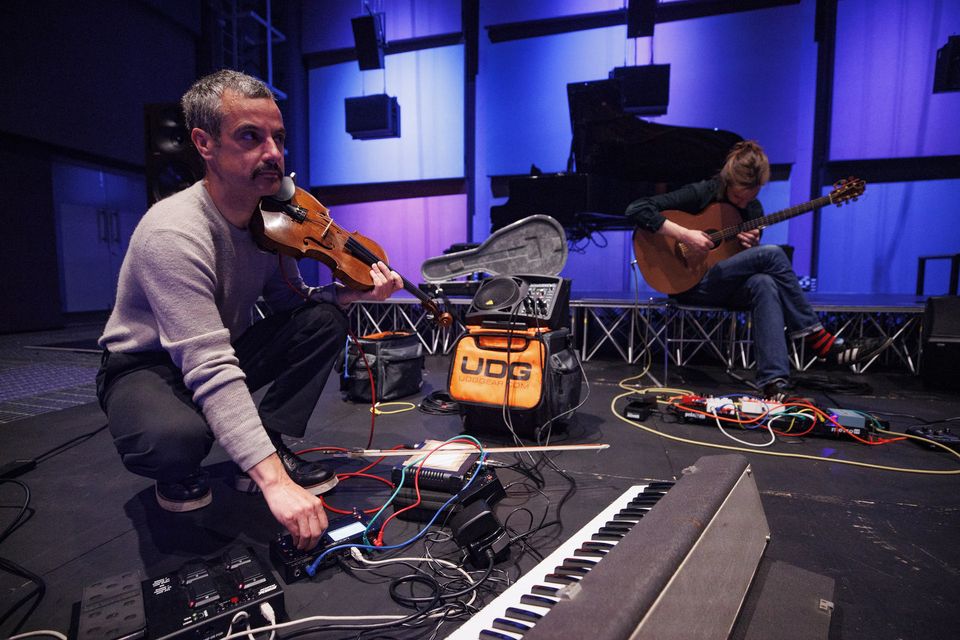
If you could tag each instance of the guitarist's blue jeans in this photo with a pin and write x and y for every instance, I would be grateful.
(760, 279)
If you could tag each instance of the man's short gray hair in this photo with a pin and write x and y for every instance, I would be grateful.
(202, 103)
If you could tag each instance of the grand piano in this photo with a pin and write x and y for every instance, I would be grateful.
(616, 158)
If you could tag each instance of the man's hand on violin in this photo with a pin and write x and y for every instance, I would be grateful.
(385, 284)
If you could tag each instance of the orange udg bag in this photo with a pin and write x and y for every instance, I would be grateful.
(533, 374)
(497, 368)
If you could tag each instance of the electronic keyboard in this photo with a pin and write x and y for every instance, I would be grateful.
(662, 560)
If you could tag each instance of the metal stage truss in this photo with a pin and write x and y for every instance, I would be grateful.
(659, 333)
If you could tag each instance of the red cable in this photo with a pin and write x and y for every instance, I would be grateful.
(416, 487)
(360, 473)
(366, 363)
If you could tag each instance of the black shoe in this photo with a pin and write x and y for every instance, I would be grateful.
(189, 494)
(777, 390)
(855, 350)
(312, 476)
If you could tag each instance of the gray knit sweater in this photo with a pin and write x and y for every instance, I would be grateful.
(187, 286)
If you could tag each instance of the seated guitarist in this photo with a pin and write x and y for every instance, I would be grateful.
(759, 278)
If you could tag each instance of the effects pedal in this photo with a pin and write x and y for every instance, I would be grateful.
(202, 598)
(292, 563)
(852, 424)
(943, 436)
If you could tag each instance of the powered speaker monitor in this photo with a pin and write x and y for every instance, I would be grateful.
(521, 301)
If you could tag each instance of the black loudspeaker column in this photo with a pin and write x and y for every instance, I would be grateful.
(946, 76)
(505, 302)
(172, 161)
(941, 343)
(368, 41)
(641, 18)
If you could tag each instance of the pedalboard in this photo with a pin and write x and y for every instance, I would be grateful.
(201, 599)
(943, 436)
(292, 563)
(848, 424)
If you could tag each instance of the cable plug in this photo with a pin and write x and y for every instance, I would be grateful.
(356, 554)
(16, 468)
(266, 610)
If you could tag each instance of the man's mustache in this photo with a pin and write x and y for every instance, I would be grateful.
(271, 167)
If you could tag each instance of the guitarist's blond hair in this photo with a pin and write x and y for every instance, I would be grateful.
(746, 166)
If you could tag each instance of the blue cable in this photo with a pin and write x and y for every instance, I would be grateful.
(312, 569)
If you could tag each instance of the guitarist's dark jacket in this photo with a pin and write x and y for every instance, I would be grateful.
(692, 198)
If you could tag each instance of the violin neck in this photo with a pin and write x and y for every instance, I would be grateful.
(364, 254)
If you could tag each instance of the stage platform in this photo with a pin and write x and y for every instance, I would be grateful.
(659, 333)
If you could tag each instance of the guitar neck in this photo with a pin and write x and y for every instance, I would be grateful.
(768, 220)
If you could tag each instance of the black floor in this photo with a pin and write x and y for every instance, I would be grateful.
(888, 539)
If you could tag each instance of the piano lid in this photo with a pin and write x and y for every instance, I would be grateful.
(618, 158)
(610, 142)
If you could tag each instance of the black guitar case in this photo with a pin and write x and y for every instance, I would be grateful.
(534, 245)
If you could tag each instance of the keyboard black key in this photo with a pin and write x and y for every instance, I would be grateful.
(523, 615)
(494, 635)
(607, 536)
(510, 625)
(585, 552)
(659, 486)
(615, 531)
(580, 562)
(544, 590)
(572, 570)
(558, 578)
(599, 546)
(537, 601)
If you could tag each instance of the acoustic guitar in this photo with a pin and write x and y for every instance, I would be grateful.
(666, 264)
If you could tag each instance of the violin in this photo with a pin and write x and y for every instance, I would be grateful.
(296, 224)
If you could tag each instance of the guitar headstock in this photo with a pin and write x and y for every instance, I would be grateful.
(847, 190)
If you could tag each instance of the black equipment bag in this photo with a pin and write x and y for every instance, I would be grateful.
(396, 360)
(540, 367)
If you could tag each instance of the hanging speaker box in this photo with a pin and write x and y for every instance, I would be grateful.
(645, 90)
(372, 117)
